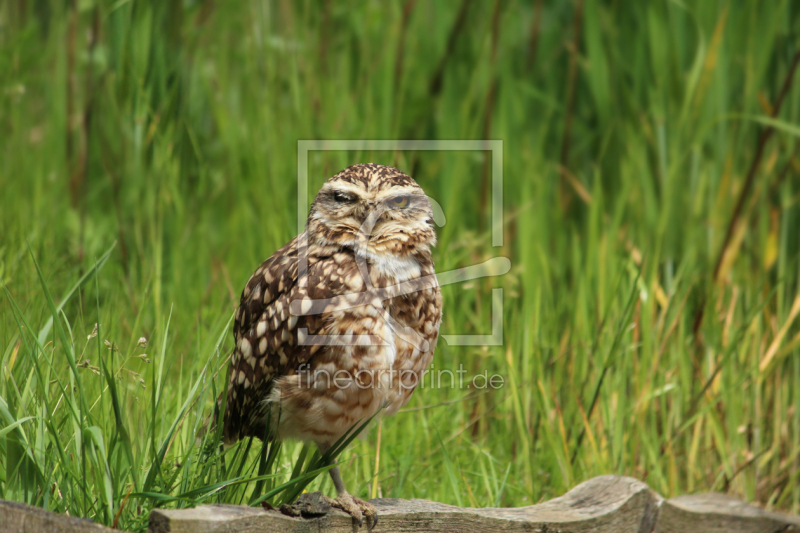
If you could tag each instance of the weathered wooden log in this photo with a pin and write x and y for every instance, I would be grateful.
(719, 513)
(607, 503)
(18, 517)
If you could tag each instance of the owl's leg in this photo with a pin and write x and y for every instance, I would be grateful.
(355, 507)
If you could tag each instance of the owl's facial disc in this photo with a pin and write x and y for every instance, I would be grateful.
(373, 207)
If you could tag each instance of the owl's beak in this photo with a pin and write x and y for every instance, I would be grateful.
(370, 216)
(370, 219)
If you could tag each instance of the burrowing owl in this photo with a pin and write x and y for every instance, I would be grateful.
(341, 321)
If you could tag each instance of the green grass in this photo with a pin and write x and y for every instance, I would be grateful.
(171, 128)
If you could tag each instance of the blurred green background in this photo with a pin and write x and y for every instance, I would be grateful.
(651, 215)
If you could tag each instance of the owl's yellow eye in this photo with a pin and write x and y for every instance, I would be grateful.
(399, 201)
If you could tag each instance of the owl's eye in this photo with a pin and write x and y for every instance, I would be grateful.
(399, 201)
(342, 197)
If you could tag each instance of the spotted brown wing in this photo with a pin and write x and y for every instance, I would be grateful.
(266, 333)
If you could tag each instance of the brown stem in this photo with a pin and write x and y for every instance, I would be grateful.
(533, 44)
(565, 192)
(435, 86)
(71, 32)
(766, 133)
(408, 8)
(489, 111)
(324, 36)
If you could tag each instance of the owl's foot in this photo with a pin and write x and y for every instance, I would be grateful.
(357, 508)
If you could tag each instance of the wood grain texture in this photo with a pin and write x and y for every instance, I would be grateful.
(22, 518)
(719, 513)
(606, 503)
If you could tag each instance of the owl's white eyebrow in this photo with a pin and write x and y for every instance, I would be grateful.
(398, 191)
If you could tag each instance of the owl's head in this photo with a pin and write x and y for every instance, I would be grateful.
(375, 209)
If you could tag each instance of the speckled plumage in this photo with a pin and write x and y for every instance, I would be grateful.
(370, 281)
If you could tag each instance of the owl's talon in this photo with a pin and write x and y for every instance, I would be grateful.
(357, 508)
